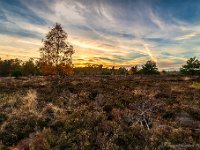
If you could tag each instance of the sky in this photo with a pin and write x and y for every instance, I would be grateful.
(109, 32)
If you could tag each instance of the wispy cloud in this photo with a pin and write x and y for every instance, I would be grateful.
(187, 36)
(112, 32)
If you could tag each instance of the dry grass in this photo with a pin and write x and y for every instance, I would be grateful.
(100, 113)
(196, 85)
(30, 100)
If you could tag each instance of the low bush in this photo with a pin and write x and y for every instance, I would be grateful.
(16, 73)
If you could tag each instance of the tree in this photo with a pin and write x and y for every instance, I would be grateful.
(192, 67)
(30, 68)
(7, 66)
(122, 71)
(133, 70)
(56, 52)
(149, 68)
(113, 70)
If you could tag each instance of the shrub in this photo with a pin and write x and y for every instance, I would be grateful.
(192, 67)
(149, 68)
(132, 138)
(16, 73)
(18, 127)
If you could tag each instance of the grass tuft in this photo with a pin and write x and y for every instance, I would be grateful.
(196, 85)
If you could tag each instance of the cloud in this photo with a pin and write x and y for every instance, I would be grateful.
(113, 32)
(187, 36)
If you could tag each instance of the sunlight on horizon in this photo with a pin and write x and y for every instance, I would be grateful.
(112, 33)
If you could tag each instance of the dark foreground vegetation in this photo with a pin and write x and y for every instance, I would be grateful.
(116, 112)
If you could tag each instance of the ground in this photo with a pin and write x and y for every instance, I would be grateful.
(100, 112)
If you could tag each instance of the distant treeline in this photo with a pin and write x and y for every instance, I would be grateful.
(16, 68)
(56, 59)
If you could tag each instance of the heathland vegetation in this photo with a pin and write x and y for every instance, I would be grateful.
(50, 104)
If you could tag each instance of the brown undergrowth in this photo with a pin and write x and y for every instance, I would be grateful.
(99, 113)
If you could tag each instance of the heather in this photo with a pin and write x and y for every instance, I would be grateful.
(100, 112)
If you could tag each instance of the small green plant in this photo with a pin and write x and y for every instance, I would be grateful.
(196, 85)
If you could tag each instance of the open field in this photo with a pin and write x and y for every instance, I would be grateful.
(100, 112)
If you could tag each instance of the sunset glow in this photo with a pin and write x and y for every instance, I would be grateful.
(108, 32)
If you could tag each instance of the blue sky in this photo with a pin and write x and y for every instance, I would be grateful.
(110, 32)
